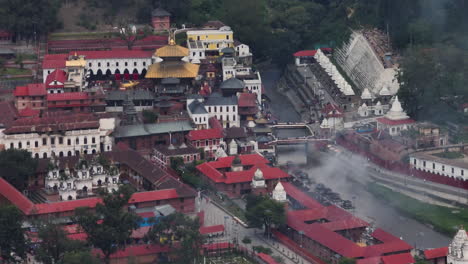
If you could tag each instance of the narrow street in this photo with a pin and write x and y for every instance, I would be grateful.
(234, 231)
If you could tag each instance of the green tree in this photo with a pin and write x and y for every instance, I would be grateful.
(149, 117)
(182, 234)
(79, 257)
(25, 18)
(55, 243)
(264, 211)
(19, 60)
(17, 167)
(116, 224)
(347, 261)
(262, 249)
(131, 35)
(177, 164)
(13, 244)
(246, 240)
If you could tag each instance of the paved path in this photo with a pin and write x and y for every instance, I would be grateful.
(234, 231)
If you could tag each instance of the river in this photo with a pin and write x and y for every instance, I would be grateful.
(333, 173)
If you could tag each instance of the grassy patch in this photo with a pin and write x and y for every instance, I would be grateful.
(449, 155)
(15, 71)
(445, 220)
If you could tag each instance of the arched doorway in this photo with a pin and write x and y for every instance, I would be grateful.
(77, 152)
(61, 154)
(69, 198)
(126, 71)
(69, 154)
(135, 71)
(143, 73)
(99, 182)
(36, 155)
(117, 71)
(44, 155)
(94, 151)
(99, 73)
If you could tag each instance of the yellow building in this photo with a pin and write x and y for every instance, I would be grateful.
(211, 40)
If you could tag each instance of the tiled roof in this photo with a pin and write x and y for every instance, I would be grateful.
(172, 51)
(390, 122)
(232, 83)
(436, 253)
(32, 89)
(176, 150)
(235, 132)
(246, 160)
(211, 229)
(269, 173)
(67, 96)
(202, 134)
(113, 54)
(28, 112)
(118, 95)
(9, 113)
(57, 75)
(159, 12)
(218, 99)
(157, 195)
(247, 100)
(197, 108)
(50, 123)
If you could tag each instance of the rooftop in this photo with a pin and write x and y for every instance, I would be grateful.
(32, 89)
(203, 134)
(218, 99)
(152, 129)
(174, 69)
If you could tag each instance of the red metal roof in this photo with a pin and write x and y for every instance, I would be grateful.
(57, 75)
(436, 253)
(384, 236)
(247, 175)
(15, 197)
(211, 229)
(63, 121)
(137, 250)
(247, 100)
(267, 258)
(32, 89)
(390, 122)
(371, 260)
(305, 53)
(211, 133)
(301, 197)
(67, 96)
(141, 197)
(113, 54)
(404, 258)
(53, 64)
(217, 246)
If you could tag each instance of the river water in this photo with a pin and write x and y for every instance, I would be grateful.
(333, 173)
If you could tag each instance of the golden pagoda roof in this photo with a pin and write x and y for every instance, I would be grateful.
(174, 69)
(172, 51)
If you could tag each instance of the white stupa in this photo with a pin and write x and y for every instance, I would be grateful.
(378, 108)
(396, 112)
(258, 180)
(384, 91)
(366, 95)
(279, 194)
(458, 249)
(324, 123)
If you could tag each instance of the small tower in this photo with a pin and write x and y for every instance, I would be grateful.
(458, 249)
(258, 183)
(237, 164)
(279, 194)
(233, 147)
(130, 113)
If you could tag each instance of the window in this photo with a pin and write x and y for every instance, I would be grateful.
(68, 142)
(60, 140)
(117, 64)
(99, 64)
(144, 63)
(90, 65)
(108, 64)
(227, 36)
(77, 141)
(93, 140)
(126, 64)
(234, 118)
(36, 144)
(233, 108)
(424, 164)
(12, 145)
(134, 64)
(462, 172)
(414, 161)
(85, 140)
(44, 141)
(52, 140)
(453, 170)
(443, 168)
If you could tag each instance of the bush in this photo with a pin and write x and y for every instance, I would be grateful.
(262, 249)
(246, 240)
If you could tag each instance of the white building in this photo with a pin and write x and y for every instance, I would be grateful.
(107, 62)
(242, 50)
(79, 178)
(458, 249)
(209, 42)
(60, 135)
(395, 120)
(225, 109)
(427, 161)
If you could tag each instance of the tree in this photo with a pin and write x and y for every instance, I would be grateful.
(111, 225)
(347, 261)
(17, 166)
(54, 243)
(13, 244)
(79, 257)
(149, 116)
(19, 60)
(246, 240)
(182, 234)
(264, 211)
(262, 249)
(177, 163)
(130, 34)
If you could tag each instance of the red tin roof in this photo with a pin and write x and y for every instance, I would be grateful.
(436, 253)
(390, 122)
(305, 53)
(32, 89)
(211, 133)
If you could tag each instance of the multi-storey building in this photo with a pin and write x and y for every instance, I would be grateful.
(209, 42)
(224, 108)
(60, 134)
(31, 96)
(209, 140)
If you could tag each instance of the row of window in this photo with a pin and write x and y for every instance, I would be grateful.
(200, 119)
(117, 64)
(207, 142)
(69, 153)
(220, 117)
(52, 142)
(462, 172)
(215, 109)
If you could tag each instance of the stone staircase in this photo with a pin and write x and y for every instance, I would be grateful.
(37, 196)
